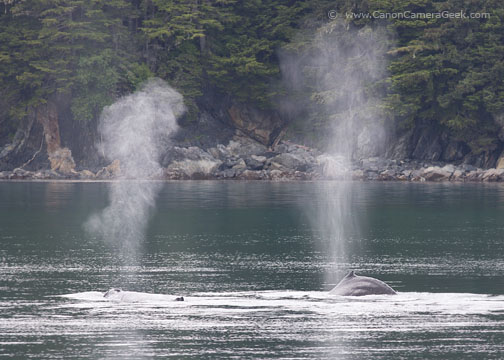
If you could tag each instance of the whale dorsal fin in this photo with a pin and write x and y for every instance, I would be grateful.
(351, 274)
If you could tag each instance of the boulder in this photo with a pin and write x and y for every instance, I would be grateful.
(111, 171)
(435, 173)
(192, 169)
(62, 161)
(252, 175)
(458, 175)
(185, 153)
(388, 175)
(491, 175)
(449, 168)
(242, 146)
(277, 175)
(299, 161)
(20, 174)
(86, 175)
(474, 175)
(255, 162)
(417, 175)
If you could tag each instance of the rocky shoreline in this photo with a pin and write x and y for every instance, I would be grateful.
(246, 159)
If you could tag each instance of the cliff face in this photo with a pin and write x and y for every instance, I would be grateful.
(433, 144)
(49, 138)
(37, 141)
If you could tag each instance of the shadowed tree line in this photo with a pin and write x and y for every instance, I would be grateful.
(442, 73)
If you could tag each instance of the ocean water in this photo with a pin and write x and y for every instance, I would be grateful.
(254, 273)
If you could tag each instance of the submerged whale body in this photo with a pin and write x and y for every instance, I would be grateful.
(133, 296)
(354, 285)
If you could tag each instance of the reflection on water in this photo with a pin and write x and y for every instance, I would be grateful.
(249, 266)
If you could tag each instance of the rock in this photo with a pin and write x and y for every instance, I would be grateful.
(190, 163)
(333, 166)
(62, 161)
(370, 141)
(448, 168)
(400, 148)
(255, 162)
(358, 174)
(277, 175)
(417, 175)
(261, 125)
(192, 169)
(372, 175)
(458, 175)
(185, 153)
(111, 171)
(500, 162)
(491, 175)
(86, 175)
(241, 146)
(406, 174)
(455, 151)
(229, 163)
(387, 175)
(499, 120)
(20, 174)
(428, 146)
(293, 161)
(474, 175)
(374, 164)
(468, 167)
(435, 173)
(252, 175)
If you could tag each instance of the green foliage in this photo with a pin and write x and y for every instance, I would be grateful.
(243, 59)
(78, 47)
(444, 72)
(449, 71)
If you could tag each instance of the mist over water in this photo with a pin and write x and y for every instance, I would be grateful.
(134, 131)
(339, 70)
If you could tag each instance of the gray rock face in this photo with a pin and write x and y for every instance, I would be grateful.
(191, 162)
(354, 285)
(370, 142)
(255, 162)
(294, 161)
(454, 151)
(263, 126)
(245, 159)
(435, 173)
(428, 146)
(492, 175)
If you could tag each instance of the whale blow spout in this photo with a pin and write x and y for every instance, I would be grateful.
(355, 285)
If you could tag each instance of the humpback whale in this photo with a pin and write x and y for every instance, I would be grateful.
(355, 285)
(117, 294)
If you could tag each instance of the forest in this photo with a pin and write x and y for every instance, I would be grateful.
(442, 81)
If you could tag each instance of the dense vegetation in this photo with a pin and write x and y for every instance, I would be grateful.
(442, 72)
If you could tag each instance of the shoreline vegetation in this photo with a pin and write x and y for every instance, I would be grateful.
(425, 92)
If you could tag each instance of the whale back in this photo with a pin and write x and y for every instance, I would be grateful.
(120, 295)
(355, 285)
